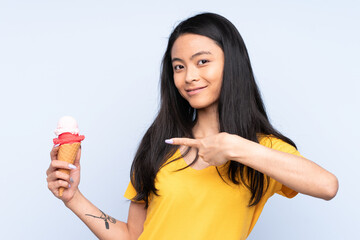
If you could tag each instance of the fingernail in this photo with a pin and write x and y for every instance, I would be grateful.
(71, 180)
(72, 166)
(169, 141)
(56, 145)
(69, 186)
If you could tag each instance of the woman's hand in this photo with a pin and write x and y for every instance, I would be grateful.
(215, 149)
(57, 179)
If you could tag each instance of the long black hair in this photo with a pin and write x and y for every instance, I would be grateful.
(240, 107)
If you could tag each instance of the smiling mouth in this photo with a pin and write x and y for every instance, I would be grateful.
(194, 91)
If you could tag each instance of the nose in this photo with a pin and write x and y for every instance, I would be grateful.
(192, 74)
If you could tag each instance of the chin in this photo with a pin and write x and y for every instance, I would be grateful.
(202, 105)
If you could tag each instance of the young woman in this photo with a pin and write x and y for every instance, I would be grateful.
(221, 159)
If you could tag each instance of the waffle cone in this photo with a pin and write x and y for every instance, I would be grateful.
(67, 153)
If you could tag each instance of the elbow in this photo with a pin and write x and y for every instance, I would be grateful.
(332, 187)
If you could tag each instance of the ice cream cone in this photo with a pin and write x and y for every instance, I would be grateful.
(67, 153)
(67, 132)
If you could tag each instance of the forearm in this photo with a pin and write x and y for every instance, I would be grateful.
(102, 225)
(297, 173)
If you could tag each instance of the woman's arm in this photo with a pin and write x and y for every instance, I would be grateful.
(101, 224)
(104, 226)
(295, 172)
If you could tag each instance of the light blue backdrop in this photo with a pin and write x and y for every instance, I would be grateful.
(99, 61)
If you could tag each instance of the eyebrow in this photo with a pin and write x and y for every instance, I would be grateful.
(192, 57)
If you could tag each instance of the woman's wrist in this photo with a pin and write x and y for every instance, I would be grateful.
(240, 149)
(74, 199)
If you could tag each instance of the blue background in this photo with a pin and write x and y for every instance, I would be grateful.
(99, 61)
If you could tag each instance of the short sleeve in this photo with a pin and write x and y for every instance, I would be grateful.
(280, 145)
(281, 189)
(130, 193)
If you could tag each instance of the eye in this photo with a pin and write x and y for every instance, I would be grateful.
(178, 67)
(202, 61)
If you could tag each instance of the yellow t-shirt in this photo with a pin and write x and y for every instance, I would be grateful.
(198, 205)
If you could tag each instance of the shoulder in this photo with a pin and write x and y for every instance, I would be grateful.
(273, 142)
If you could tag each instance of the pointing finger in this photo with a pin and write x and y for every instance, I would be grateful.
(183, 141)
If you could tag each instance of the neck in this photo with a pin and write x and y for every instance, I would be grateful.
(207, 123)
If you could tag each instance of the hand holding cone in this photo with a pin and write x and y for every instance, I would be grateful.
(69, 140)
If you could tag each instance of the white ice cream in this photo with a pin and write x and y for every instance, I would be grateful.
(67, 124)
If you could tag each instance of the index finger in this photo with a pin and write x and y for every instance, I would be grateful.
(183, 141)
(54, 152)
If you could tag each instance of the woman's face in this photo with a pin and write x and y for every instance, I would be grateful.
(198, 64)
